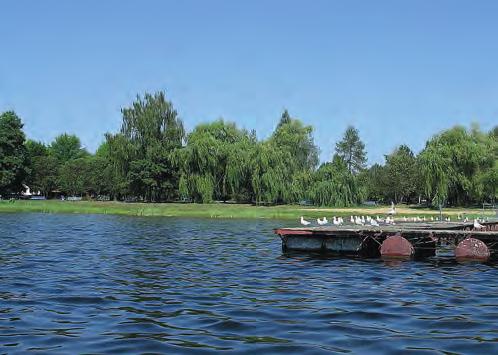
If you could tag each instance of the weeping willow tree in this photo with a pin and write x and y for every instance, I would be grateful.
(239, 168)
(488, 181)
(271, 172)
(454, 163)
(299, 188)
(334, 185)
(200, 188)
(142, 152)
(281, 166)
(210, 162)
(436, 174)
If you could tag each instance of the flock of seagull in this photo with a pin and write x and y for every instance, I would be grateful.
(389, 220)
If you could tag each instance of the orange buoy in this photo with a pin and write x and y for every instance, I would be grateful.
(396, 246)
(472, 249)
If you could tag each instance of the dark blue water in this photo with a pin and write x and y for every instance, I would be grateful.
(107, 284)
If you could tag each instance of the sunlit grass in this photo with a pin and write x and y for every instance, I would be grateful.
(220, 210)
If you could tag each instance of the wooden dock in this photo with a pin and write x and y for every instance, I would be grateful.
(403, 240)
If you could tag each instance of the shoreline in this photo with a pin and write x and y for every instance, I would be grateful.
(221, 210)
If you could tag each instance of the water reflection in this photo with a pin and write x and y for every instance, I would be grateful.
(126, 285)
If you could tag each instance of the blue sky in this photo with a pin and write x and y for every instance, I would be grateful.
(400, 71)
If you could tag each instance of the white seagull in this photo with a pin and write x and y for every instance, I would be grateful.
(304, 222)
(477, 225)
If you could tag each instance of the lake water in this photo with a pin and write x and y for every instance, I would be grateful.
(108, 284)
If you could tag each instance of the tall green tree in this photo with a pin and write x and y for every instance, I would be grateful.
(401, 174)
(75, 176)
(284, 119)
(44, 174)
(36, 148)
(352, 150)
(43, 167)
(297, 139)
(67, 147)
(375, 183)
(142, 152)
(13, 154)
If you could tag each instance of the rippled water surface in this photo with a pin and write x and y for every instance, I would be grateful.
(108, 284)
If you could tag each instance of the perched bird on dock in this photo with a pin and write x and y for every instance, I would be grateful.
(304, 222)
(465, 220)
(374, 223)
(392, 210)
(351, 219)
(432, 219)
(321, 222)
(404, 219)
(477, 225)
(337, 221)
(358, 221)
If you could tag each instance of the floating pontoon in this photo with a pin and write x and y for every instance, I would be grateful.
(403, 240)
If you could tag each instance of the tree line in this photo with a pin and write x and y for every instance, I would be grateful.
(151, 158)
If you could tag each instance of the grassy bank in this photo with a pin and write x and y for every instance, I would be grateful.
(216, 210)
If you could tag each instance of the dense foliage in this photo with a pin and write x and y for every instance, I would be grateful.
(151, 158)
(13, 155)
(142, 152)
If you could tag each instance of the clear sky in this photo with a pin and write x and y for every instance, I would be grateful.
(400, 71)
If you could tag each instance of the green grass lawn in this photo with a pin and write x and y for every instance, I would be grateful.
(218, 210)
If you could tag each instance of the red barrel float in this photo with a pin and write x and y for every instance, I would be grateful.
(472, 249)
(396, 246)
